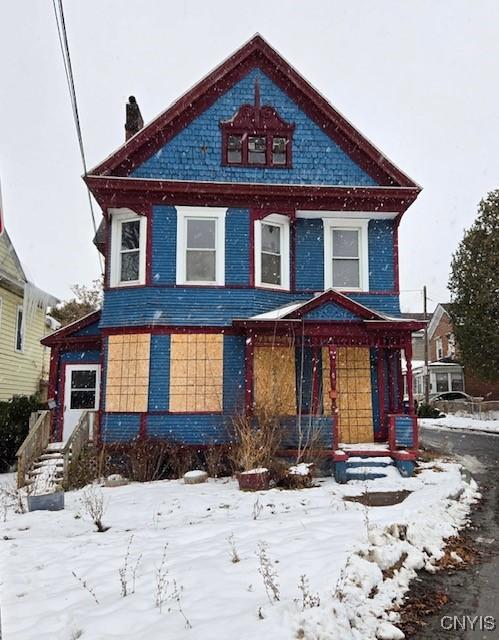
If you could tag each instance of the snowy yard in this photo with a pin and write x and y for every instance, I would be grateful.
(60, 579)
(461, 422)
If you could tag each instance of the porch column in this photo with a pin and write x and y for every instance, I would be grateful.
(52, 388)
(249, 352)
(408, 360)
(380, 353)
(334, 395)
(391, 385)
(400, 378)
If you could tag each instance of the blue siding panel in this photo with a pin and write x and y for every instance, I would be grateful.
(404, 432)
(380, 247)
(120, 427)
(195, 152)
(159, 376)
(330, 311)
(189, 428)
(91, 330)
(164, 243)
(237, 247)
(309, 248)
(85, 357)
(234, 374)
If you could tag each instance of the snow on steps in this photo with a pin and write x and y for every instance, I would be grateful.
(367, 468)
(47, 471)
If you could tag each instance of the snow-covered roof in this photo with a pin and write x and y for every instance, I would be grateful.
(280, 312)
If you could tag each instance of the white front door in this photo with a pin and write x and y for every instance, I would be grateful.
(81, 391)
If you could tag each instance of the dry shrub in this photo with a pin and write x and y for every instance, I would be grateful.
(257, 438)
(90, 466)
(216, 461)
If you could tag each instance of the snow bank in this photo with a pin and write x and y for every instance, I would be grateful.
(461, 422)
(59, 578)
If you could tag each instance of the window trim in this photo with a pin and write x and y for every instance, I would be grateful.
(20, 328)
(269, 136)
(362, 226)
(439, 347)
(282, 221)
(118, 217)
(183, 214)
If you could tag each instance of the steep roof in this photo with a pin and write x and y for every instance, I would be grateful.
(255, 53)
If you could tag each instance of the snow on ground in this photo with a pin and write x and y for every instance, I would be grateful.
(60, 578)
(461, 422)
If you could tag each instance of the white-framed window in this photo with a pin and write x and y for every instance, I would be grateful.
(19, 330)
(346, 259)
(451, 346)
(272, 252)
(201, 245)
(439, 349)
(128, 248)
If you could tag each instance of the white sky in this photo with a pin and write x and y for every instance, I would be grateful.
(418, 78)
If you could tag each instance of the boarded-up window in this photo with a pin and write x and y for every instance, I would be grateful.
(196, 372)
(354, 394)
(127, 382)
(274, 379)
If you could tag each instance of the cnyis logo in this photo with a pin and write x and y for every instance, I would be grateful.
(468, 623)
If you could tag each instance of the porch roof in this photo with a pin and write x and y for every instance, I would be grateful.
(330, 307)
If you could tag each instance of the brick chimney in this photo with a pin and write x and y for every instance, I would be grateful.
(134, 120)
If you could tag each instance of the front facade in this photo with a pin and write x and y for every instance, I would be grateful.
(24, 361)
(250, 237)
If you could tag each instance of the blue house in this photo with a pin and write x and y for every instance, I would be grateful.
(250, 242)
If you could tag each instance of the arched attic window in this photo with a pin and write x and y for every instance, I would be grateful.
(257, 137)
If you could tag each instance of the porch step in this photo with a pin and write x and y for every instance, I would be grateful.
(364, 467)
(359, 461)
(53, 447)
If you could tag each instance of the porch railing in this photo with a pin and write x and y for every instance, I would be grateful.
(34, 445)
(78, 441)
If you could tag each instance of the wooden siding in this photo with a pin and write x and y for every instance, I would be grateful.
(8, 264)
(127, 385)
(20, 373)
(354, 395)
(196, 372)
(275, 379)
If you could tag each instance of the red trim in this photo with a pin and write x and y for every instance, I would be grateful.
(249, 353)
(316, 359)
(256, 53)
(143, 425)
(383, 432)
(292, 253)
(395, 236)
(134, 193)
(337, 298)
(52, 388)
(408, 361)
(391, 388)
(335, 413)
(400, 384)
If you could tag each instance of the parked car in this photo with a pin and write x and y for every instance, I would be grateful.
(453, 396)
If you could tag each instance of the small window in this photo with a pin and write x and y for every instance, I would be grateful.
(83, 389)
(130, 251)
(128, 248)
(271, 254)
(346, 258)
(19, 330)
(234, 149)
(457, 382)
(201, 250)
(257, 149)
(279, 146)
(442, 380)
(439, 348)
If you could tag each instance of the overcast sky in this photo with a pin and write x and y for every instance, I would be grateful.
(419, 78)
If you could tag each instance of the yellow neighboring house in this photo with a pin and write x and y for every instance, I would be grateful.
(23, 322)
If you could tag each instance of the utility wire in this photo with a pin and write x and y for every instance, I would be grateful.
(68, 69)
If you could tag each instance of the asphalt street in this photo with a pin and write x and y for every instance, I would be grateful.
(474, 591)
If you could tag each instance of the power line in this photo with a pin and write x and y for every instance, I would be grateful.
(68, 69)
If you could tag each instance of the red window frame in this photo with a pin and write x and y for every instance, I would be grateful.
(269, 139)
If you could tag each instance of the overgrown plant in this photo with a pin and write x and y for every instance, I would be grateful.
(268, 573)
(256, 437)
(128, 573)
(308, 599)
(92, 502)
(11, 498)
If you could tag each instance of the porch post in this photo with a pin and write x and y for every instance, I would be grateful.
(52, 388)
(334, 396)
(408, 360)
(400, 378)
(380, 353)
(249, 351)
(391, 386)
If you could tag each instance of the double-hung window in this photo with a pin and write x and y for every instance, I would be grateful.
(272, 252)
(128, 245)
(346, 254)
(200, 245)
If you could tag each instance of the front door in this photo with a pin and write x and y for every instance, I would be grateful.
(81, 392)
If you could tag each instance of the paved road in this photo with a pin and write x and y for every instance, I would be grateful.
(474, 592)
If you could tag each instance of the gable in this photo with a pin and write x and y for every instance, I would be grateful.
(195, 153)
(9, 262)
(331, 311)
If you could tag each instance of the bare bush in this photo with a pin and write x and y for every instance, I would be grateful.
(268, 573)
(257, 437)
(216, 461)
(309, 599)
(92, 502)
(84, 584)
(234, 556)
(162, 581)
(127, 572)
(257, 508)
(11, 498)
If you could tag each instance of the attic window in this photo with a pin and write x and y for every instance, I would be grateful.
(257, 137)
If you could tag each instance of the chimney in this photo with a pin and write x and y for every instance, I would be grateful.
(134, 120)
